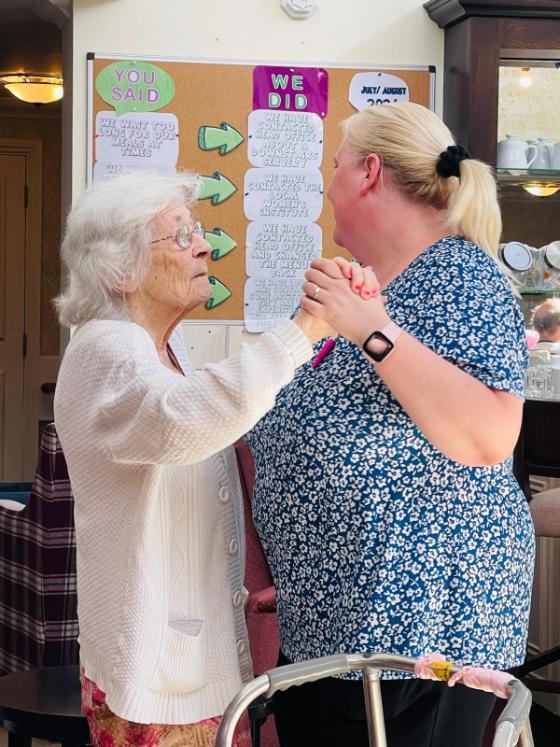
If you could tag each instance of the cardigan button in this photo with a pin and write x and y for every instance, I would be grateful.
(237, 599)
(223, 494)
(233, 547)
(241, 646)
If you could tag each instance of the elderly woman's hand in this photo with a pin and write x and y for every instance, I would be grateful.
(345, 295)
(313, 326)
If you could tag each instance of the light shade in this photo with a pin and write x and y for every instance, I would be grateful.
(540, 190)
(35, 89)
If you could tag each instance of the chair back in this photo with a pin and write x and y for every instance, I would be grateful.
(38, 600)
(257, 572)
(538, 448)
(262, 623)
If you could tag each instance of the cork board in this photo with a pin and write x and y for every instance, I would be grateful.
(207, 96)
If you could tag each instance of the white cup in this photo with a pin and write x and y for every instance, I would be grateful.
(514, 153)
(543, 159)
(539, 382)
(554, 151)
(556, 382)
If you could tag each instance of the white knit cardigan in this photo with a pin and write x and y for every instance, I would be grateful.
(159, 538)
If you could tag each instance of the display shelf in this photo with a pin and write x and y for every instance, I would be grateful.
(540, 292)
(533, 398)
(520, 177)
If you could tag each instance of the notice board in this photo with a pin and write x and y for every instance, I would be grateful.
(263, 138)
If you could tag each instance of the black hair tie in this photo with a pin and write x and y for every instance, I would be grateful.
(448, 161)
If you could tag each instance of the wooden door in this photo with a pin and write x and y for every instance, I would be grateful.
(12, 315)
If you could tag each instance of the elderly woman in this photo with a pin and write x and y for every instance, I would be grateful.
(163, 645)
(384, 496)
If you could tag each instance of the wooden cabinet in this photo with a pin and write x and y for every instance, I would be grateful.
(478, 35)
(483, 38)
(480, 38)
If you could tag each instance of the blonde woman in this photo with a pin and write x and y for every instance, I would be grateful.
(384, 495)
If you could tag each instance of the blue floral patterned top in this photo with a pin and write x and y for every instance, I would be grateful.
(375, 539)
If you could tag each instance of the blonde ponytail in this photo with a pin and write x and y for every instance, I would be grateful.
(473, 206)
(410, 140)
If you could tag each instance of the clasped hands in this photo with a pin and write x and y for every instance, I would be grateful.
(341, 297)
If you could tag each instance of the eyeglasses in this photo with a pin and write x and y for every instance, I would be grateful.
(184, 236)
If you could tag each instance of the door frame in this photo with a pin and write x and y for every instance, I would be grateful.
(33, 152)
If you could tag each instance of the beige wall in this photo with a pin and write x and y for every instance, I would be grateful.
(529, 112)
(354, 31)
(351, 32)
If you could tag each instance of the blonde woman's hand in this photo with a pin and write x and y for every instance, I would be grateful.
(362, 278)
(330, 296)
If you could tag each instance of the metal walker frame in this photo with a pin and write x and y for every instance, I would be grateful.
(512, 728)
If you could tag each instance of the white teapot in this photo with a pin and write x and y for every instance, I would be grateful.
(513, 153)
(544, 154)
(554, 156)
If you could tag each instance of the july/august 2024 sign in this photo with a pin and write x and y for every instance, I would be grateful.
(283, 189)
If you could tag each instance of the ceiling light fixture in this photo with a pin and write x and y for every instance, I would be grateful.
(32, 88)
(540, 190)
(525, 79)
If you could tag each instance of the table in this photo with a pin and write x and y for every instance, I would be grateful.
(44, 704)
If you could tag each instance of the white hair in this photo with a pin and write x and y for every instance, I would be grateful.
(107, 240)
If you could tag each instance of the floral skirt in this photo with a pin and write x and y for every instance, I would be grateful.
(108, 730)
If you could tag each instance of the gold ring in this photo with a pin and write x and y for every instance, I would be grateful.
(316, 293)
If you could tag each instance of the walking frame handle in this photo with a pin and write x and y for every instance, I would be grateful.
(512, 726)
(299, 673)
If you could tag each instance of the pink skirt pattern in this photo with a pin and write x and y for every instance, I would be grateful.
(108, 730)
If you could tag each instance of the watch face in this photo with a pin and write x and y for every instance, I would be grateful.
(378, 346)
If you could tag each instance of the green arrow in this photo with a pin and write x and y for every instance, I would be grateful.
(220, 293)
(216, 187)
(221, 242)
(225, 137)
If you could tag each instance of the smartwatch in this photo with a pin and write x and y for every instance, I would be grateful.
(381, 342)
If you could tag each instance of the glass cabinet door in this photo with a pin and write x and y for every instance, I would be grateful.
(528, 173)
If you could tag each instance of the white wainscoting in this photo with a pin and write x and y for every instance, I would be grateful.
(210, 343)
